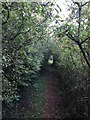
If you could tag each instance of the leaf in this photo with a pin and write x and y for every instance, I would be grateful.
(59, 8)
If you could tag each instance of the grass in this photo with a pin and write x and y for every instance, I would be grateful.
(37, 98)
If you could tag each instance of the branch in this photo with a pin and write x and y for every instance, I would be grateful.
(43, 21)
(71, 37)
(6, 7)
(18, 33)
(45, 4)
(84, 55)
(21, 45)
(78, 53)
(25, 42)
(85, 40)
(77, 3)
(79, 22)
(84, 4)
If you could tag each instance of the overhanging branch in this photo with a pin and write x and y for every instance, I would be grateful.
(84, 4)
(85, 40)
(69, 35)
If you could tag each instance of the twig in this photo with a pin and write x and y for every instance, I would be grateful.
(85, 40)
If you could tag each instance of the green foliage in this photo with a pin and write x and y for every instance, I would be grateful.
(31, 35)
(23, 44)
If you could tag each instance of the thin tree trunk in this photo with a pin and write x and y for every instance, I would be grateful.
(84, 55)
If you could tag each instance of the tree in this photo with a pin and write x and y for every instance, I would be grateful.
(77, 39)
(23, 46)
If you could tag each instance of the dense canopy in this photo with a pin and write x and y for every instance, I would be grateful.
(36, 40)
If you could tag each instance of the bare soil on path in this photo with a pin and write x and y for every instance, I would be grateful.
(52, 98)
(43, 102)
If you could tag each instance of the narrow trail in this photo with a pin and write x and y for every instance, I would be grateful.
(41, 101)
(52, 98)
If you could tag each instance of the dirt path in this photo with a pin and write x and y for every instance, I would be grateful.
(52, 99)
(40, 101)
